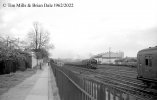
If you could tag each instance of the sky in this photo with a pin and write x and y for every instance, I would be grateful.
(89, 28)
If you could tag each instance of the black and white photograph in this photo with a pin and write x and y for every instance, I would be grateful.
(78, 49)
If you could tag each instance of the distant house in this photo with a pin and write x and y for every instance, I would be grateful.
(108, 57)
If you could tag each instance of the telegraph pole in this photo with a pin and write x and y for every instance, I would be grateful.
(109, 55)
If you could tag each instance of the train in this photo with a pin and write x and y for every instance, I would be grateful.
(86, 63)
(147, 66)
(90, 63)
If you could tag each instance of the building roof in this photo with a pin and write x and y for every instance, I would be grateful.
(110, 55)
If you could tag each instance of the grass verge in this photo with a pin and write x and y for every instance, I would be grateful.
(8, 81)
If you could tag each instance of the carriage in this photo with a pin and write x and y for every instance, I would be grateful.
(147, 65)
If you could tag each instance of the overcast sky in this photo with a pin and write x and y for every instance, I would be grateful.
(88, 28)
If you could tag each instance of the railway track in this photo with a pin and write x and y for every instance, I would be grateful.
(121, 82)
(126, 77)
(115, 69)
(117, 77)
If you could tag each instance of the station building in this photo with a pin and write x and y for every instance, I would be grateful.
(108, 57)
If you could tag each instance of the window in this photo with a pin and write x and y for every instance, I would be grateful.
(148, 61)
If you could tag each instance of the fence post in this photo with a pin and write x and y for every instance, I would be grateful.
(101, 93)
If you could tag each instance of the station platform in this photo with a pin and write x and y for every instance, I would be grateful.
(40, 86)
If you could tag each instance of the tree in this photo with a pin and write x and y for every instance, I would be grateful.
(43, 53)
(39, 38)
(10, 49)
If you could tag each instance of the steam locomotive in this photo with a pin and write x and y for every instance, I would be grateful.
(90, 63)
(87, 63)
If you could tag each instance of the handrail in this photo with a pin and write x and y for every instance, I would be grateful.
(92, 98)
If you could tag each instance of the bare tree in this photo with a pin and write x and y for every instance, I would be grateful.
(10, 42)
(39, 38)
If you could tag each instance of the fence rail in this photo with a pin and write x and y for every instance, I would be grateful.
(73, 86)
